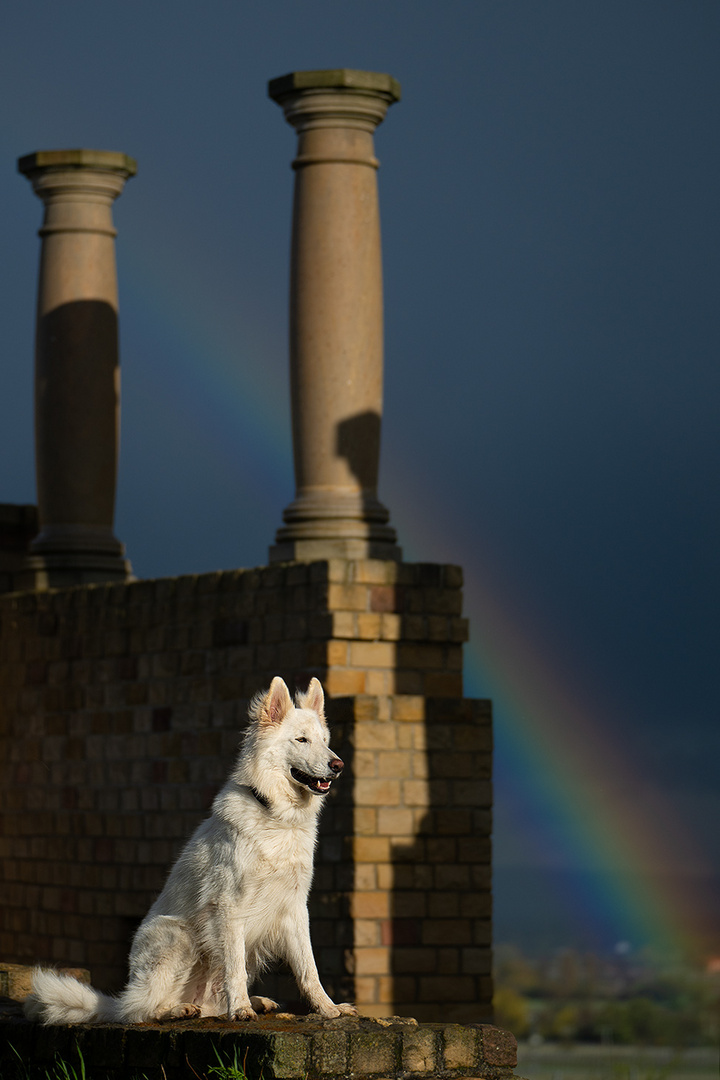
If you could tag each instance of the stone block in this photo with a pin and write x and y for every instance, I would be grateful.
(337, 653)
(374, 849)
(394, 821)
(372, 654)
(340, 682)
(347, 598)
(372, 960)
(420, 1051)
(286, 1056)
(498, 1047)
(373, 1053)
(377, 792)
(330, 1052)
(460, 1047)
(369, 626)
(370, 905)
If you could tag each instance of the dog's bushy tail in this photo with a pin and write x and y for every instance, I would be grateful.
(61, 999)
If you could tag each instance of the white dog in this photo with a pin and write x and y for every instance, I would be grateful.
(236, 899)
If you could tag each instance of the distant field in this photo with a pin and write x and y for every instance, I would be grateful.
(578, 1062)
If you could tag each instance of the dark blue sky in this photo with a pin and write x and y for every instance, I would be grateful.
(549, 199)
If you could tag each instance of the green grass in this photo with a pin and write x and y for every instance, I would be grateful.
(228, 1069)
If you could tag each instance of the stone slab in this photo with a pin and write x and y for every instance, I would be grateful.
(16, 979)
(279, 1047)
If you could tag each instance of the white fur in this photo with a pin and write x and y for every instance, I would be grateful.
(236, 899)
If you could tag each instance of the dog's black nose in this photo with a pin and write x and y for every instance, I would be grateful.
(337, 765)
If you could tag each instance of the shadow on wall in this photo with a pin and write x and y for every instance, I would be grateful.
(440, 928)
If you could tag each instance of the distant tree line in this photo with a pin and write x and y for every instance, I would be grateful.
(624, 1000)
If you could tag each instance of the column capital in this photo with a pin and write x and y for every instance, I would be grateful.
(104, 160)
(77, 183)
(341, 97)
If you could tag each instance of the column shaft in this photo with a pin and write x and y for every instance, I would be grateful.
(77, 375)
(336, 317)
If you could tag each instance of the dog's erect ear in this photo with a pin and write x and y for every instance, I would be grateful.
(277, 703)
(313, 698)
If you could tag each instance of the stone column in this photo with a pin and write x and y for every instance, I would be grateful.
(336, 331)
(77, 375)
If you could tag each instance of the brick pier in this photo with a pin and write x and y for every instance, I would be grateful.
(120, 712)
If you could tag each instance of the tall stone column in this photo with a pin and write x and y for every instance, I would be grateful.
(336, 331)
(77, 375)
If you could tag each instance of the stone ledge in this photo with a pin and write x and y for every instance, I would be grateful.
(279, 1047)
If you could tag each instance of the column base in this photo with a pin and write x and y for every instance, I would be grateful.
(321, 524)
(60, 572)
(64, 555)
(333, 548)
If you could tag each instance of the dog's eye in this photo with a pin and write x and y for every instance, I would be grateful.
(301, 738)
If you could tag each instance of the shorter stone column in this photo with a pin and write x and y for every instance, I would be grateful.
(77, 374)
(336, 324)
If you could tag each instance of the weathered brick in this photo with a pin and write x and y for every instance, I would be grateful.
(372, 961)
(379, 735)
(460, 1046)
(370, 905)
(337, 653)
(423, 655)
(377, 792)
(347, 597)
(419, 1051)
(343, 624)
(339, 682)
(329, 1052)
(498, 1048)
(446, 988)
(372, 654)
(394, 821)
(367, 932)
(374, 849)
(416, 793)
(373, 1052)
(397, 764)
(366, 989)
(369, 626)
(408, 707)
(386, 598)
(373, 571)
(443, 684)
(379, 682)
(447, 932)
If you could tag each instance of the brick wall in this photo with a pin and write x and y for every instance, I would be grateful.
(120, 707)
(18, 526)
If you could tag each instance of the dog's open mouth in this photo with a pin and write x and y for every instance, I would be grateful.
(316, 784)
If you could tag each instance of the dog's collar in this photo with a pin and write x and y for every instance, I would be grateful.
(260, 798)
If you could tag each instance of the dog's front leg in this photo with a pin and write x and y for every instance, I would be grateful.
(235, 976)
(299, 955)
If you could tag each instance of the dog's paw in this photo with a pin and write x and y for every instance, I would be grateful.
(184, 1011)
(245, 1012)
(331, 1011)
(264, 1004)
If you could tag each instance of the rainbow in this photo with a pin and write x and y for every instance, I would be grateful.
(573, 787)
